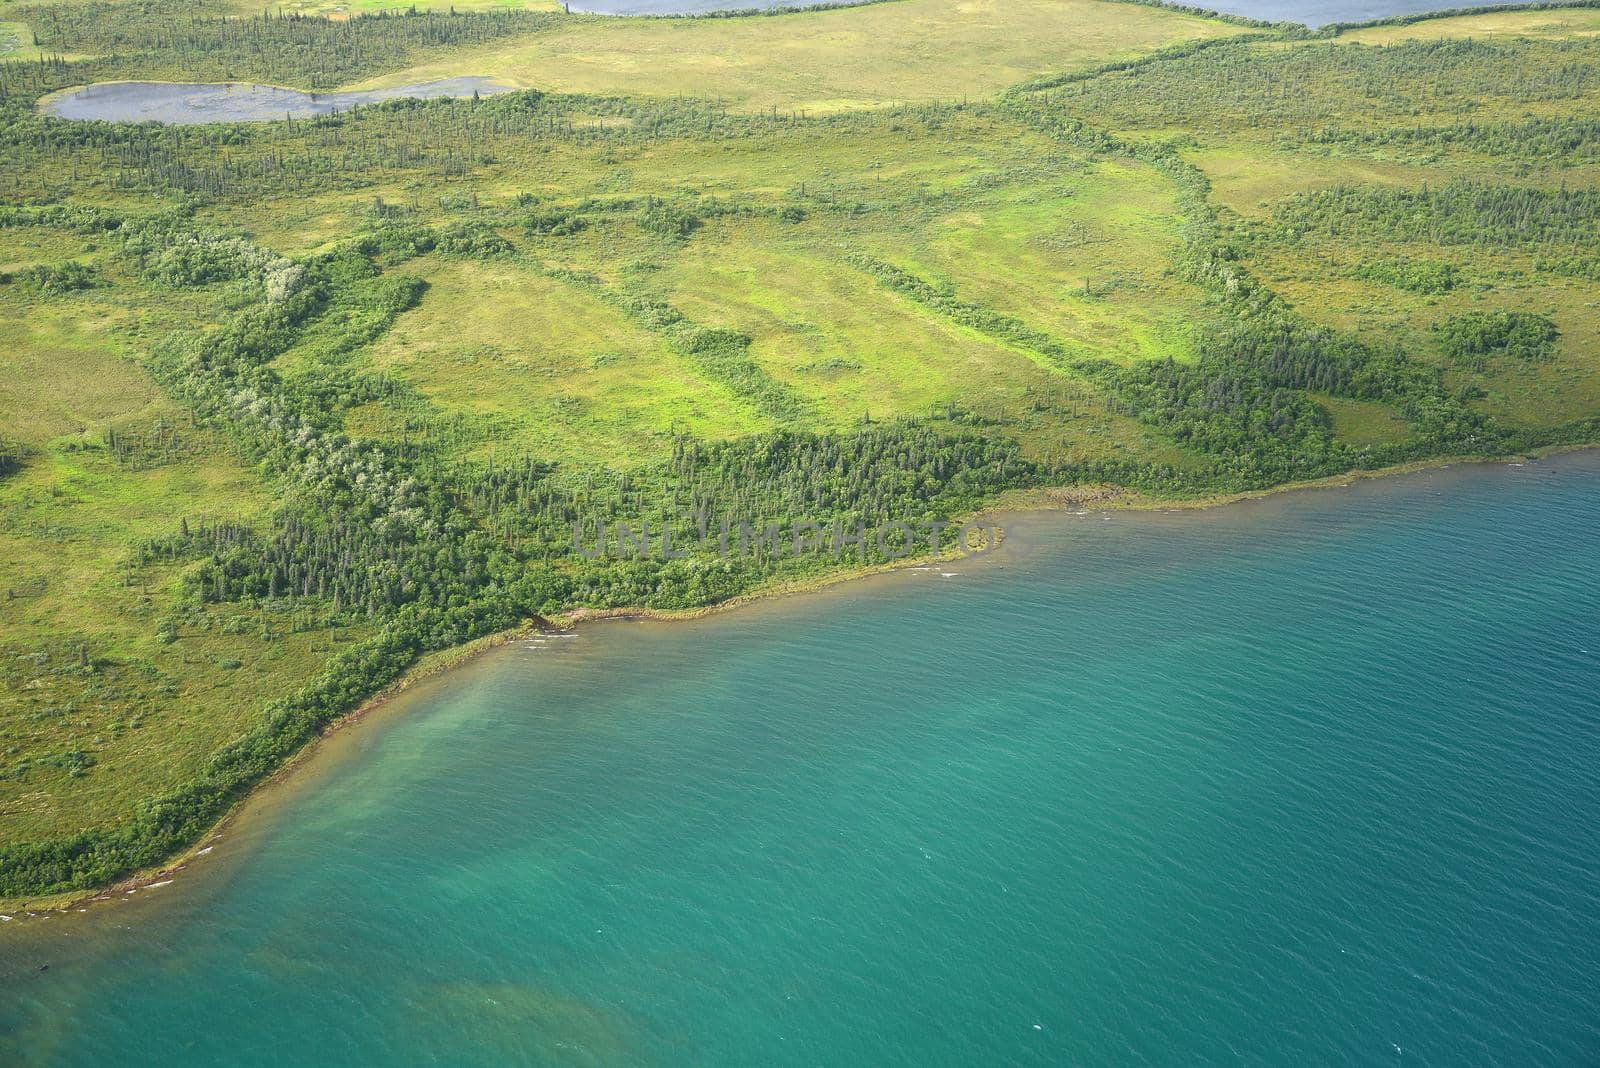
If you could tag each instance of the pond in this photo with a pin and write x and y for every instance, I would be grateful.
(188, 103)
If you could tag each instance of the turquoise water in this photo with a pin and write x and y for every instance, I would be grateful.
(1308, 780)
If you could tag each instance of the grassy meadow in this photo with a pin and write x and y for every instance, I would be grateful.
(98, 703)
(285, 406)
(1550, 23)
(904, 51)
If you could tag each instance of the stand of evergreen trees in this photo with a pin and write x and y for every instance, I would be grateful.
(1246, 402)
(201, 41)
(438, 553)
(433, 551)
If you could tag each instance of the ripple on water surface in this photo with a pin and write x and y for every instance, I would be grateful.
(1313, 779)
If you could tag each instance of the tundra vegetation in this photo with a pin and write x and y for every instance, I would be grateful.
(285, 406)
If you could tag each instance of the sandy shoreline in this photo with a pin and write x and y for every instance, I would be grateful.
(1010, 507)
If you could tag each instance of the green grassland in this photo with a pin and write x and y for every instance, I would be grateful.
(1554, 23)
(831, 60)
(96, 706)
(16, 41)
(285, 406)
(546, 368)
(1465, 98)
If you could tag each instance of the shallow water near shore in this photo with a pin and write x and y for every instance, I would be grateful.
(1307, 779)
(192, 103)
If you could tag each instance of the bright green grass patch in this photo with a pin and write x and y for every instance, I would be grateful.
(1251, 178)
(1559, 23)
(1086, 257)
(1364, 422)
(61, 374)
(1536, 396)
(544, 368)
(17, 43)
(831, 332)
(836, 334)
(1019, 219)
(21, 246)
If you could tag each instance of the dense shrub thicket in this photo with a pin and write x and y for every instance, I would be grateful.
(1428, 277)
(1246, 402)
(1241, 83)
(11, 455)
(1474, 338)
(1559, 222)
(1542, 140)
